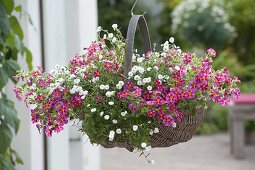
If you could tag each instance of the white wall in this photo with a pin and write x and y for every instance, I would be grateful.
(28, 142)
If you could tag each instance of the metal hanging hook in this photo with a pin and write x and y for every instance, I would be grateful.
(132, 9)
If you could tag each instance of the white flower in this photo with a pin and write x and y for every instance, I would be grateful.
(106, 87)
(171, 40)
(111, 103)
(102, 113)
(149, 88)
(106, 117)
(151, 132)
(140, 59)
(101, 87)
(139, 83)
(88, 105)
(114, 39)
(104, 37)
(137, 77)
(156, 67)
(149, 69)
(123, 113)
(177, 68)
(134, 69)
(143, 145)
(99, 29)
(135, 128)
(110, 35)
(156, 130)
(121, 83)
(111, 135)
(93, 110)
(160, 77)
(114, 26)
(110, 93)
(83, 97)
(61, 80)
(174, 125)
(166, 46)
(114, 121)
(72, 91)
(118, 131)
(77, 81)
(130, 74)
(141, 70)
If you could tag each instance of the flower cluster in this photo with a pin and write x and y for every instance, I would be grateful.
(158, 90)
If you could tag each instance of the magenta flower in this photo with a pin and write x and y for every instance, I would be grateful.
(58, 128)
(168, 120)
(179, 116)
(108, 65)
(48, 105)
(18, 93)
(133, 107)
(76, 100)
(151, 113)
(48, 132)
(63, 109)
(204, 86)
(129, 85)
(182, 71)
(98, 99)
(96, 73)
(187, 58)
(39, 98)
(137, 92)
(57, 93)
(158, 101)
(211, 52)
(160, 114)
(225, 101)
(190, 94)
(171, 97)
(236, 92)
(62, 120)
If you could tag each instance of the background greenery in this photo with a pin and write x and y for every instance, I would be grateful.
(11, 47)
(238, 55)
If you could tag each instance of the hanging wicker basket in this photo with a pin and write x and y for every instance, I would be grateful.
(167, 136)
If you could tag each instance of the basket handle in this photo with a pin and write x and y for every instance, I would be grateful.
(130, 40)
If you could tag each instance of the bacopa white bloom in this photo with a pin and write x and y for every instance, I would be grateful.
(151, 132)
(149, 88)
(114, 39)
(77, 81)
(140, 59)
(118, 131)
(121, 83)
(99, 29)
(174, 125)
(111, 135)
(139, 83)
(102, 113)
(149, 69)
(171, 40)
(156, 130)
(114, 121)
(177, 68)
(110, 35)
(106, 117)
(93, 110)
(106, 87)
(110, 93)
(166, 46)
(137, 77)
(141, 70)
(160, 77)
(156, 67)
(130, 74)
(114, 26)
(72, 91)
(134, 69)
(111, 103)
(123, 113)
(143, 145)
(135, 128)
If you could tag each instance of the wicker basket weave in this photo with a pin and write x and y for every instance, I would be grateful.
(167, 136)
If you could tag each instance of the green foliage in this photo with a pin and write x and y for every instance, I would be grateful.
(11, 46)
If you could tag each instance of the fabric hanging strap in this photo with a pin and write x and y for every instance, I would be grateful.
(131, 37)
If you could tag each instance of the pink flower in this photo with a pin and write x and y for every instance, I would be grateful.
(158, 101)
(48, 132)
(187, 58)
(160, 114)
(236, 92)
(76, 100)
(151, 113)
(179, 116)
(137, 92)
(225, 101)
(57, 93)
(168, 120)
(190, 94)
(129, 85)
(62, 120)
(39, 98)
(63, 109)
(211, 52)
(171, 97)
(96, 73)
(48, 105)
(18, 93)
(58, 128)
(133, 107)
(98, 99)
(204, 86)
(108, 65)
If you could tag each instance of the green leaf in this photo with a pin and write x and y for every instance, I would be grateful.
(3, 78)
(18, 158)
(8, 5)
(4, 22)
(29, 59)
(2, 107)
(18, 8)
(5, 163)
(10, 116)
(5, 136)
(16, 28)
(11, 67)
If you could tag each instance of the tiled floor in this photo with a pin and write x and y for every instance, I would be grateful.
(201, 153)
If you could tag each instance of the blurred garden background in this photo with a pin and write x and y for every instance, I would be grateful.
(225, 25)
